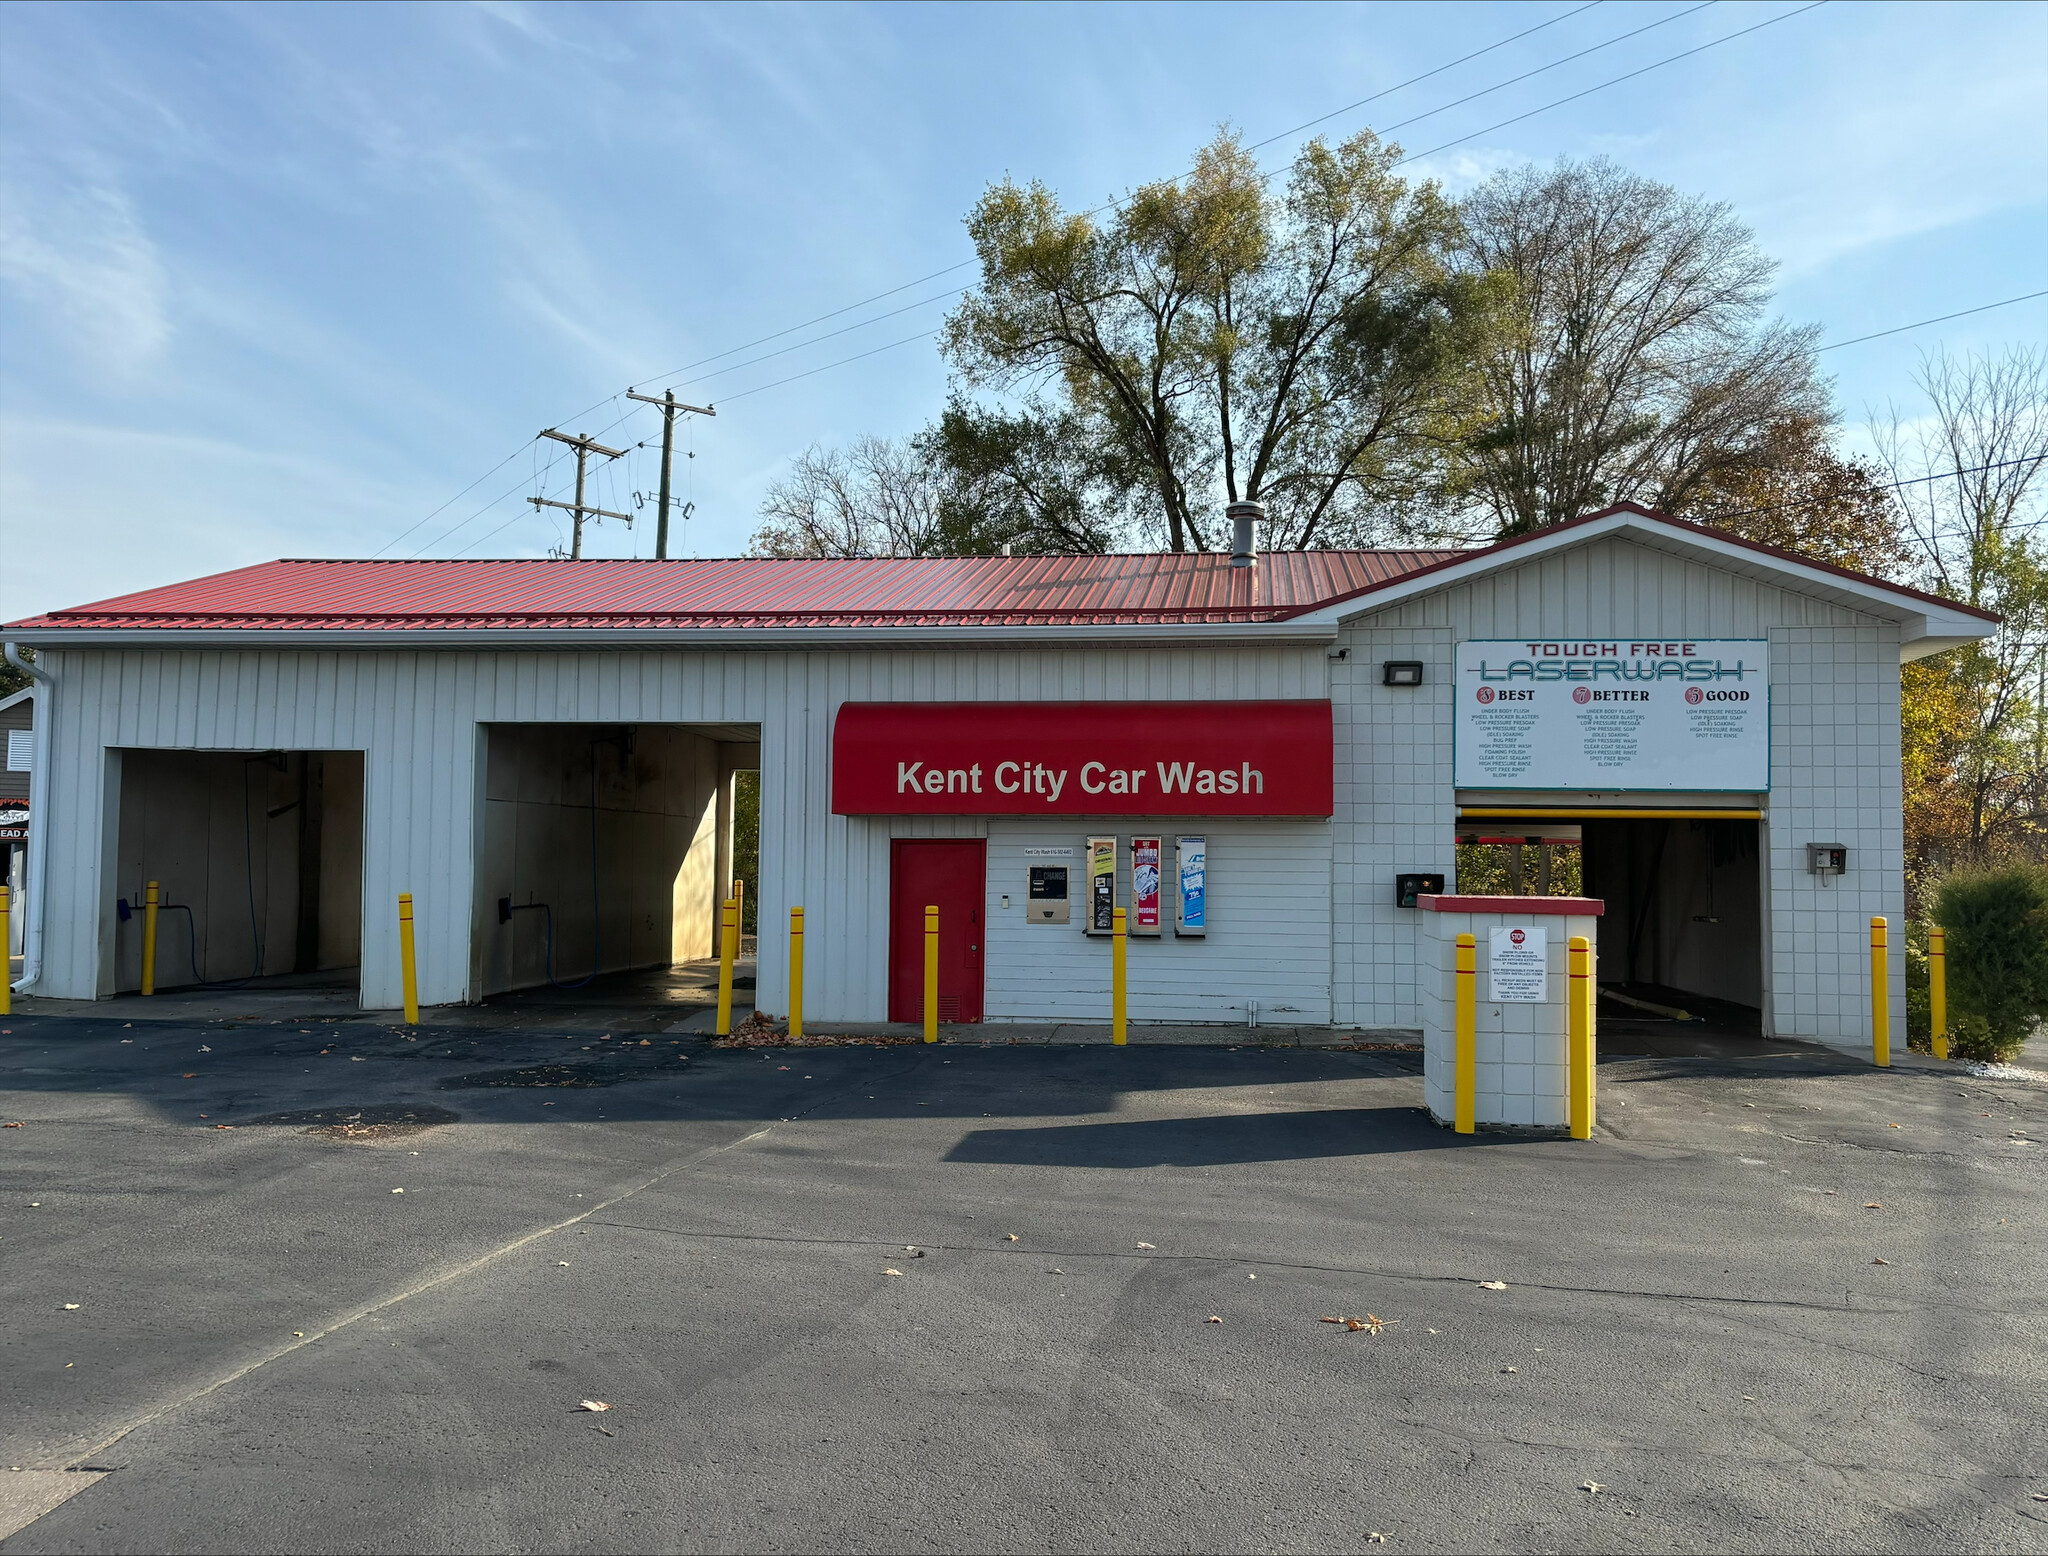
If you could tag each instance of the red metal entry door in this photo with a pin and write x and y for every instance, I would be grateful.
(951, 873)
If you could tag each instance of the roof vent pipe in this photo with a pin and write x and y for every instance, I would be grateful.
(1245, 517)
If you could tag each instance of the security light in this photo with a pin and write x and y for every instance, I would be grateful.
(1401, 672)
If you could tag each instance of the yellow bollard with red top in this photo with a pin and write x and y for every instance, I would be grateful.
(796, 972)
(728, 953)
(1118, 985)
(931, 973)
(1579, 1035)
(1464, 1020)
(152, 899)
(408, 960)
(1937, 989)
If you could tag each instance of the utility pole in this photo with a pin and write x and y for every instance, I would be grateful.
(669, 405)
(584, 447)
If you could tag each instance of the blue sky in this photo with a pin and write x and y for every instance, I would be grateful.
(282, 280)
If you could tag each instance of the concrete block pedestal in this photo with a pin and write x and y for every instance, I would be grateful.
(1522, 1065)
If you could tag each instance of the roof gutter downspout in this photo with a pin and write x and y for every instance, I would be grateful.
(38, 816)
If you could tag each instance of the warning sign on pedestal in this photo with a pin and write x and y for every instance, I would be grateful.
(1521, 968)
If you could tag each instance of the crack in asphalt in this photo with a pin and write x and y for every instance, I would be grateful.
(1158, 1256)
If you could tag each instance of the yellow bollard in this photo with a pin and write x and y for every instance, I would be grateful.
(1880, 996)
(1579, 1036)
(728, 952)
(1466, 1079)
(1118, 939)
(931, 974)
(1937, 989)
(408, 961)
(796, 972)
(6, 967)
(151, 900)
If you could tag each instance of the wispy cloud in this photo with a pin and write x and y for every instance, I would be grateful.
(78, 255)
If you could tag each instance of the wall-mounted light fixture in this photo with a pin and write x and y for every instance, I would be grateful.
(1401, 672)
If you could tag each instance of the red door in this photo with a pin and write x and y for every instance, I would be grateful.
(953, 874)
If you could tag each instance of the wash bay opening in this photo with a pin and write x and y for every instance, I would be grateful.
(603, 853)
(1683, 930)
(258, 860)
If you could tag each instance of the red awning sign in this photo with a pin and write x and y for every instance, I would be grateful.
(1082, 759)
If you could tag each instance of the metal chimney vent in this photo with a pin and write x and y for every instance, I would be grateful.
(1245, 517)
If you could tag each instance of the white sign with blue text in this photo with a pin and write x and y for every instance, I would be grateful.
(1666, 713)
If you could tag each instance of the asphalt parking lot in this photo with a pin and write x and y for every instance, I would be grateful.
(1792, 1303)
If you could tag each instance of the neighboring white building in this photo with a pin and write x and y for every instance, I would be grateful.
(542, 753)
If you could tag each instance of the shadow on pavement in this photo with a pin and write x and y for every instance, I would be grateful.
(1216, 1141)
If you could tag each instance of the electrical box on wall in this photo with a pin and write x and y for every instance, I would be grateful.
(1047, 903)
(1827, 859)
(1408, 887)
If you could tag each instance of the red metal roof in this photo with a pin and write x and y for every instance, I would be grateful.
(1128, 589)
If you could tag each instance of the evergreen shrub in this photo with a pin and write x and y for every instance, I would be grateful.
(1997, 925)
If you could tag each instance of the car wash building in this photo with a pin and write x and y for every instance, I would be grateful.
(1264, 759)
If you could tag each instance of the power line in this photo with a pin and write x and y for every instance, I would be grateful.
(1559, 102)
(1812, 5)
(1887, 486)
(964, 264)
(1922, 323)
(1416, 80)
(1254, 146)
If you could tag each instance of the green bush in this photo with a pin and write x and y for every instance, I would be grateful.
(1997, 924)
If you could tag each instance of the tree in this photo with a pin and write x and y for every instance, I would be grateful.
(874, 498)
(975, 483)
(1215, 343)
(11, 679)
(1973, 475)
(1803, 496)
(1629, 359)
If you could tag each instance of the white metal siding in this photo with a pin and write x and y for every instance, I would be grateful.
(414, 715)
(1834, 764)
(1268, 939)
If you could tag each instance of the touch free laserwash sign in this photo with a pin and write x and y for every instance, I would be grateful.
(1669, 713)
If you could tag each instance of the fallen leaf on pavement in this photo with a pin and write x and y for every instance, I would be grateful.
(1009, 1237)
(188, 1075)
(398, 1191)
(1880, 1261)
(1593, 1486)
(593, 1404)
(298, 1334)
(1215, 1319)
(1891, 1126)
(1493, 1285)
(1327, 1319)
(71, 1307)
(205, 1048)
(1511, 1369)
(1146, 1245)
(1374, 1537)
(1871, 1204)
(892, 1272)
(15, 1125)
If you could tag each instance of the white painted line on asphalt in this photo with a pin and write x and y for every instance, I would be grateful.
(25, 1495)
(298, 1342)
